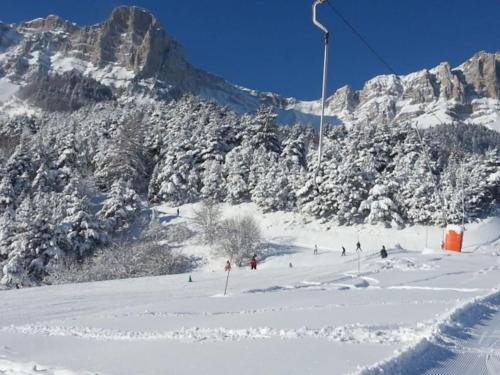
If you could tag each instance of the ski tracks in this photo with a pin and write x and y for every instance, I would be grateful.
(346, 334)
(493, 363)
(466, 343)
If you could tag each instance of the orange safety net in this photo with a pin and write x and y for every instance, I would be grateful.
(454, 239)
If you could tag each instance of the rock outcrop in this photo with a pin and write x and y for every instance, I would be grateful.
(482, 75)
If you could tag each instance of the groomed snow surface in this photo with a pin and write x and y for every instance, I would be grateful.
(420, 311)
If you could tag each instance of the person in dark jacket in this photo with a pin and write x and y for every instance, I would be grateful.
(358, 247)
(383, 252)
(343, 251)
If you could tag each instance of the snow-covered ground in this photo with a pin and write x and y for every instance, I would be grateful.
(419, 311)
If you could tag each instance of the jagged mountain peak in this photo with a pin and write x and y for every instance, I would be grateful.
(130, 53)
(132, 37)
(133, 17)
(130, 45)
(48, 23)
(482, 71)
(344, 99)
(126, 18)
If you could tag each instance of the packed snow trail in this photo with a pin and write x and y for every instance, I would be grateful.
(320, 315)
(467, 343)
(473, 350)
(328, 319)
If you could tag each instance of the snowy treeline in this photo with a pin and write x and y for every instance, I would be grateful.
(71, 181)
(384, 174)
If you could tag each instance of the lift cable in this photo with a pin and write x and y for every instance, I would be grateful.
(361, 37)
(393, 71)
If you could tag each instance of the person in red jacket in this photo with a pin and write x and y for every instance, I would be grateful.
(253, 263)
(227, 267)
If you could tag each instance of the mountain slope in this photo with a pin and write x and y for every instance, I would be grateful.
(132, 55)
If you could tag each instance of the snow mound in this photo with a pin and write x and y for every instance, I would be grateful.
(11, 368)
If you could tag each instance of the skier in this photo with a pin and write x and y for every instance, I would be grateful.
(315, 250)
(253, 263)
(227, 267)
(343, 251)
(290, 265)
(177, 212)
(358, 247)
(383, 252)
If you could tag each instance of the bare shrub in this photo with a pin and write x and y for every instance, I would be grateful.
(207, 218)
(239, 238)
(123, 260)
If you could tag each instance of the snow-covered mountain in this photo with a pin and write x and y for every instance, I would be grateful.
(53, 64)
(469, 93)
(130, 54)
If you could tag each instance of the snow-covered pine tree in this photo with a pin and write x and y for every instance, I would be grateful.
(237, 171)
(477, 184)
(7, 194)
(81, 229)
(7, 232)
(121, 207)
(195, 133)
(380, 207)
(247, 164)
(122, 156)
(212, 180)
(32, 241)
(418, 190)
(273, 191)
(19, 172)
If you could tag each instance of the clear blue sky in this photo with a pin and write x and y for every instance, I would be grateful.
(271, 45)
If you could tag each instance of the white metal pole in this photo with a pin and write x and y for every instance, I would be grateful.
(323, 98)
(324, 83)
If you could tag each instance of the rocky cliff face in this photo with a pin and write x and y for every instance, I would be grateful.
(468, 93)
(131, 54)
(482, 74)
(131, 39)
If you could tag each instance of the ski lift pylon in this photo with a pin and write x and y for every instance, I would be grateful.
(325, 78)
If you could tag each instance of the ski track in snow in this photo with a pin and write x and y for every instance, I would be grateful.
(347, 334)
(340, 283)
(363, 281)
(182, 314)
(465, 343)
(493, 363)
(464, 290)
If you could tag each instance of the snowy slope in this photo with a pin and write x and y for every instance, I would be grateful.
(318, 317)
(7, 89)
